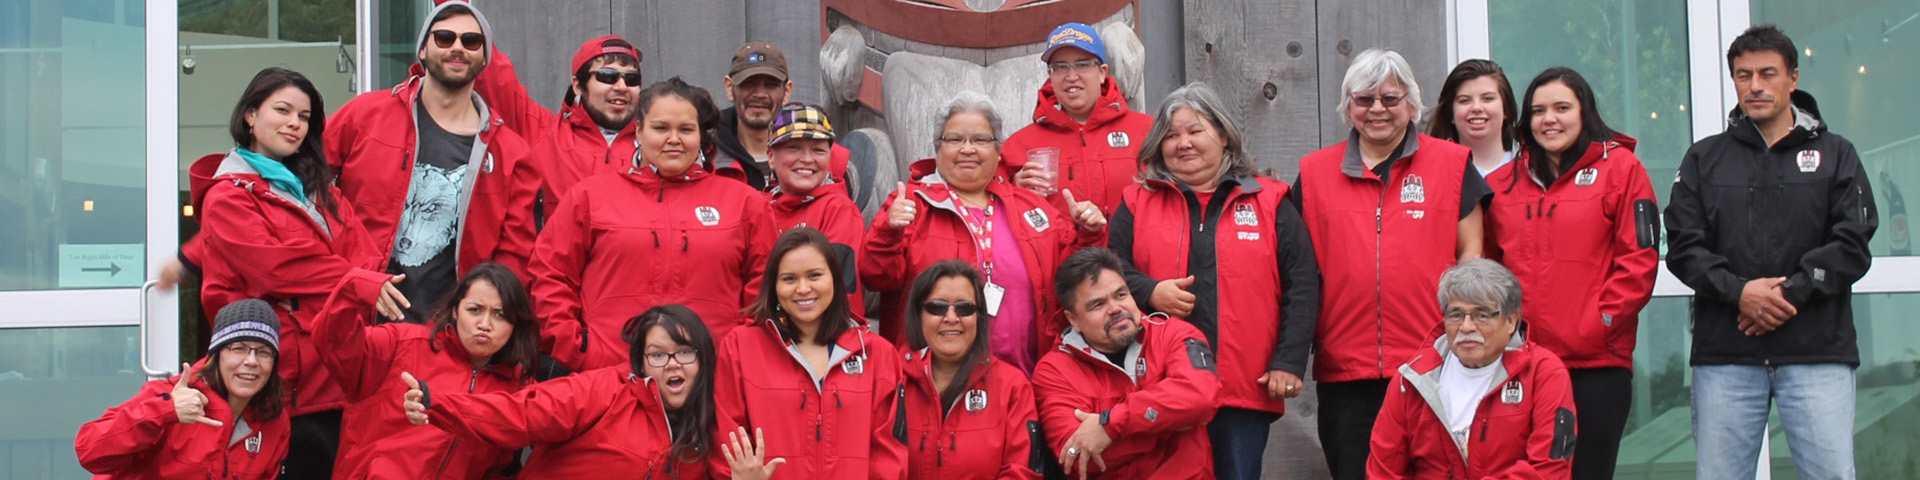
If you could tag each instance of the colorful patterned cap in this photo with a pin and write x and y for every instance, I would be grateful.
(800, 121)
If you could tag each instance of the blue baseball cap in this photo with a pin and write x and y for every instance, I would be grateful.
(1076, 35)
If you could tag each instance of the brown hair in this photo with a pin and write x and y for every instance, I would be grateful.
(838, 317)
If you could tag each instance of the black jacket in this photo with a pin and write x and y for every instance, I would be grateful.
(1801, 209)
(731, 154)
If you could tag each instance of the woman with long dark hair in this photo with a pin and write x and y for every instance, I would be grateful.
(272, 227)
(652, 417)
(1476, 110)
(815, 382)
(666, 232)
(965, 413)
(1576, 222)
(223, 415)
(481, 338)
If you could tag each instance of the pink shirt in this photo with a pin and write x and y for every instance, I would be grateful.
(1012, 337)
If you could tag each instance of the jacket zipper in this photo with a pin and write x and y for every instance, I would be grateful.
(473, 380)
(1379, 273)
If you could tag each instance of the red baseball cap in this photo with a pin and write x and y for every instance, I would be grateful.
(596, 47)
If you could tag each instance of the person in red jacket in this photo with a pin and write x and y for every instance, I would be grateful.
(221, 418)
(1482, 403)
(972, 215)
(285, 235)
(1123, 394)
(432, 166)
(758, 86)
(964, 414)
(483, 338)
(1085, 122)
(817, 383)
(807, 196)
(1588, 269)
(667, 232)
(1200, 218)
(592, 134)
(654, 414)
(1388, 210)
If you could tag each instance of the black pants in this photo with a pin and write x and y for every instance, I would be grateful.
(1603, 397)
(314, 444)
(1347, 410)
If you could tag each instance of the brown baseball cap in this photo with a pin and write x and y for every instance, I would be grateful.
(758, 58)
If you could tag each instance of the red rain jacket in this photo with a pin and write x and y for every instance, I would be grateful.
(259, 243)
(375, 439)
(1587, 269)
(1155, 409)
(585, 425)
(832, 213)
(1098, 159)
(990, 432)
(841, 428)
(566, 148)
(1523, 429)
(144, 439)
(621, 244)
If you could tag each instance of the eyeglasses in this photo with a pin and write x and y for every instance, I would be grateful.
(470, 40)
(939, 308)
(1389, 101)
(685, 356)
(1061, 68)
(243, 351)
(1481, 318)
(956, 140)
(610, 76)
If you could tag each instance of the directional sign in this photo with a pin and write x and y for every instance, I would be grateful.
(102, 265)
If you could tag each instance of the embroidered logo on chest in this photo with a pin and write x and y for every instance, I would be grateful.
(976, 400)
(1244, 215)
(253, 443)
(1118, 140)
(1586, 176)
(1037, 219)
(853, 366)
(1413, 190)
(1512, 394)
(1808, 161)
(708, 216)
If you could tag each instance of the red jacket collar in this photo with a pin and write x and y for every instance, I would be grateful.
(448, 343)
(647, 176)
(790, 202)
(919, 367)
(1110, 107)
(1596, 151)
(853, 341)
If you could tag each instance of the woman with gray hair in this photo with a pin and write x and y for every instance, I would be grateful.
(957, 207)
(1389, 210)
(1200, 215)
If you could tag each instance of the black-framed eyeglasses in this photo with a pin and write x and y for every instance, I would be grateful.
(1389, 101)
(610, 76)
(1482, 318)
(237, 348)
(685, 356)
(470, 40)
(1082, 66)
(939, 308)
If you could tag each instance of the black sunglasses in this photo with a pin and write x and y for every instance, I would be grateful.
(610, 76)
(939, 308)
(470, 40)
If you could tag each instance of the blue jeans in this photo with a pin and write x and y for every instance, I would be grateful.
(1239, 442)
(1730, 418)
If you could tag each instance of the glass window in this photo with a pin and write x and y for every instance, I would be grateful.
(1633, 53)
(65, 377)
(72, 145)
(1856, 58)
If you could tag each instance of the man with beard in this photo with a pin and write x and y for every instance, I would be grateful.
(757, 85)
(431, 167)
(594, 131)
(1125, 396)
(1482, 402)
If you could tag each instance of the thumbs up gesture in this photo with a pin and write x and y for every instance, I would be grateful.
(188, 402)
(1172, 298)
(1085, 214)
(900, 213)
(415, 400)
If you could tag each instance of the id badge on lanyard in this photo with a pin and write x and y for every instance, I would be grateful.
(983, 241)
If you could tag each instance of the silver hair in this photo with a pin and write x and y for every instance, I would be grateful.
(1199, 98)
(967, 101)
(1481, 282)
(1370, 70)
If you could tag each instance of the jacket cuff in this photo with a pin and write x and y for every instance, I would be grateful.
(1798, 289)
(191, 267)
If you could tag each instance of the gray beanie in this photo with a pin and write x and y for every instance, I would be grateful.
(250, 319)
(485, 28)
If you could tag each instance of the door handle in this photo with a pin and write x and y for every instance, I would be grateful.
(152, 373)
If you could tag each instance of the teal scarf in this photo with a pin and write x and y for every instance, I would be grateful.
(275, 173)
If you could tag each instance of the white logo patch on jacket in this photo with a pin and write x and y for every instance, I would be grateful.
(1118, 140)
(1413, 190)
(1243, 215)
(708, 216)
(1037, 218)
(976, 400)
(1808, 161)
(1512, 394)
(1586, 176)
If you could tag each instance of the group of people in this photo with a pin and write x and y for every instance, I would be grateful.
(1119, 296)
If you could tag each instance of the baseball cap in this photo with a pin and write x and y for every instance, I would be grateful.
(1076, 35)
(758, 58)
(596, 47)
(800, 121)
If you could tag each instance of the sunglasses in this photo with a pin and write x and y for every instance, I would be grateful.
(939, 308)
(610, 76)
(470, 40)
(1366, 101)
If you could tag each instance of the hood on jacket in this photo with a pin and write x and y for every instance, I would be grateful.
(1807, 123)
(200, 176)
(1109, 107)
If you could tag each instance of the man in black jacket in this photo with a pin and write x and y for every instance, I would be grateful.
(1769, 223)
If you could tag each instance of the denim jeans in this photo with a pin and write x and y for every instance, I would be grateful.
(1730, 404)
(1239, 442)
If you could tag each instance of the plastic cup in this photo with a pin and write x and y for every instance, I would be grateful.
(1047, 160)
